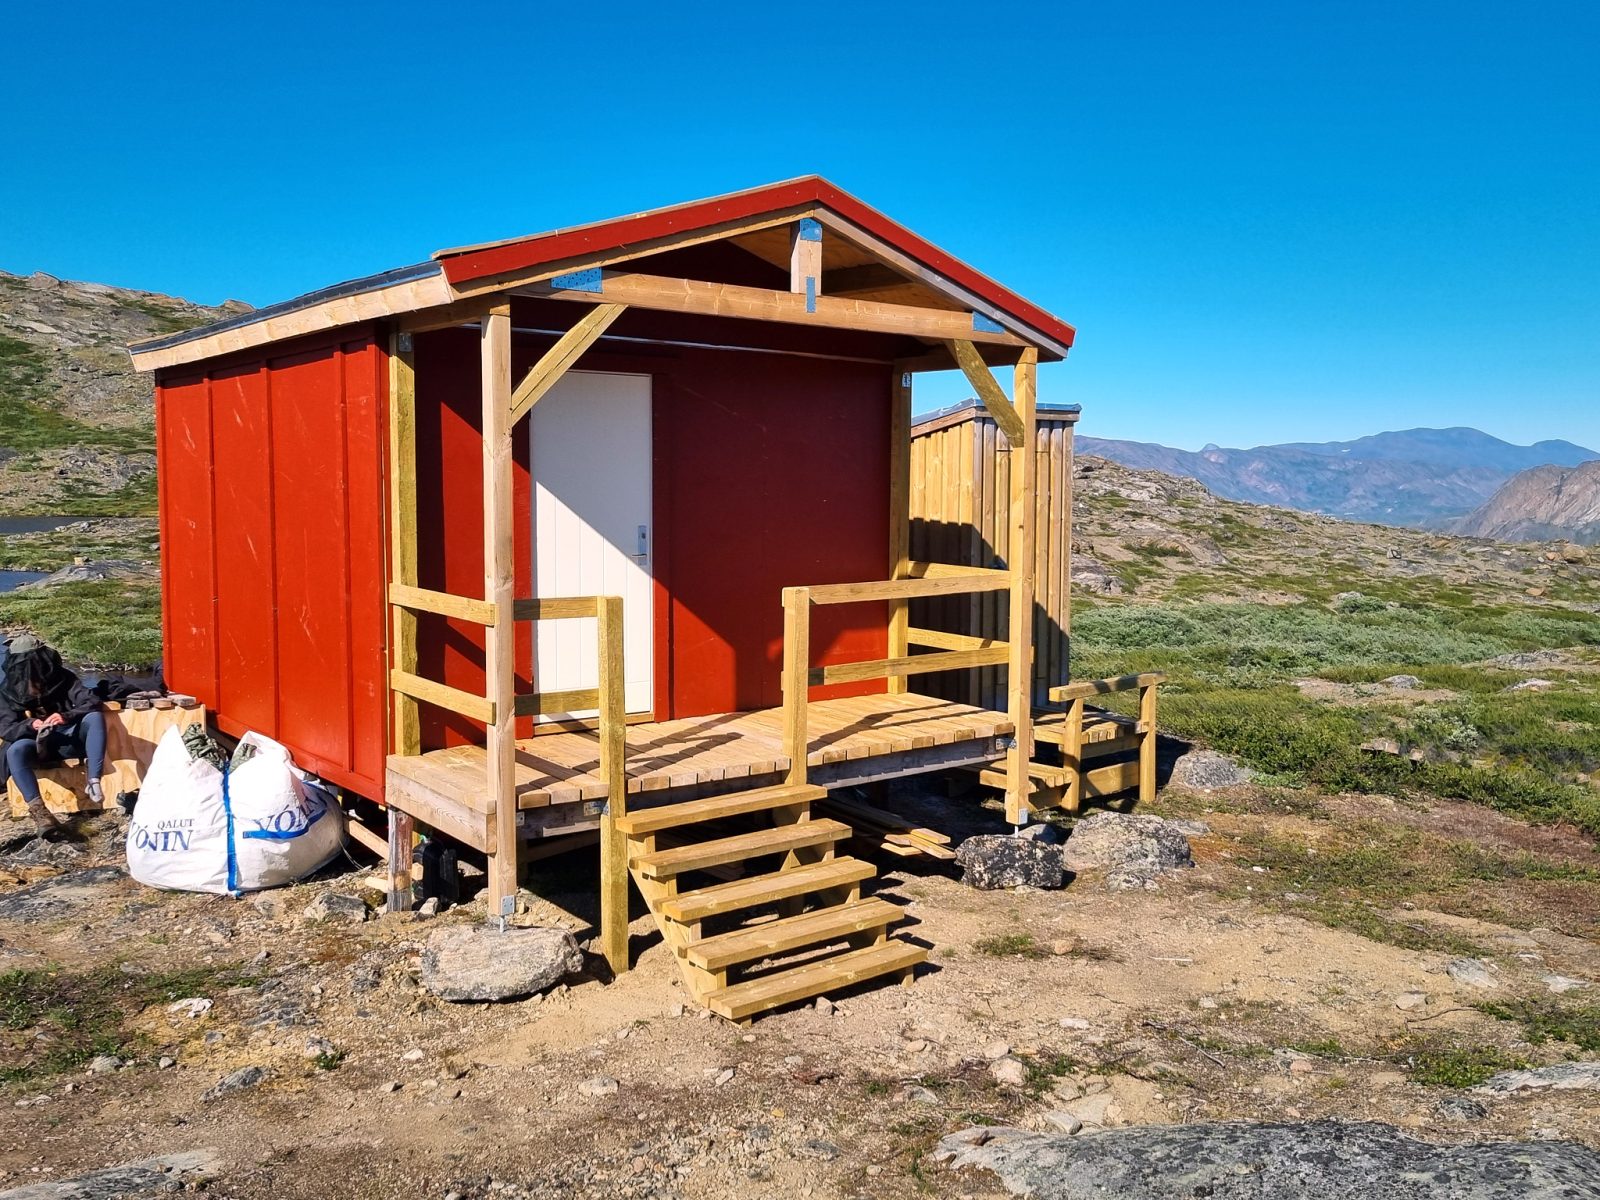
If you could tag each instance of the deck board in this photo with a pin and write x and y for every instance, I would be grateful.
(561, 768)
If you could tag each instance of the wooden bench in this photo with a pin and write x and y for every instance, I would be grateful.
(131, 737)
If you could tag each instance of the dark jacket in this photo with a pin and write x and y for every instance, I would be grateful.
(37, 684)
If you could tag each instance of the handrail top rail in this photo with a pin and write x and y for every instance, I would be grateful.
(1082, 689)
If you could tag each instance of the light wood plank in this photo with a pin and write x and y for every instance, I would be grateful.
(479, 708)
(796, 679)
(919, 664)
(1005, 413)
(760, 304)
(499, 587)
(1085, 688)
(406, 721)
(613, 754)
(906, 589)
(557, 360)
(1019, 671)
(899, 514)
(445, 604)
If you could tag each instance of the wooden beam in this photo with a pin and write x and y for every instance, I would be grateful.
(400, 889)
(919, 664)
(479, 708)
(613, 751)
(796, 679)
(988, 388)
(805, 260)
(406, 721)
(557, 360)
(543, 704)
(907, 589)
(1147, 743)
(760, 304)
(445, 604)
(374, 304)
(499, 588)
(1089, 688)
(899, 514)
(944, 570)
(556, 608)
(941, 640)
(1020, 562)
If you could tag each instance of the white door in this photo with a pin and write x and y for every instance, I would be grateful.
(592, 531)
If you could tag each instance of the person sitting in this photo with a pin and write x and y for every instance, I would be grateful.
(47, 713)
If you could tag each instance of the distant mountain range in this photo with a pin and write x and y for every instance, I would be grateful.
(1539, 504)
(1428, 478)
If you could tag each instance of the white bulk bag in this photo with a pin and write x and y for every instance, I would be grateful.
(283, 827)
(259, 825)
(178, 836)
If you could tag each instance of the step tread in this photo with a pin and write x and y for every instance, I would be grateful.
(791, 933)
(690, 907)
(663, 864)
(711, 808)
(745, 999)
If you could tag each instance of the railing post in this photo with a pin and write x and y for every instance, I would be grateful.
(899, 514)
(406, 727)
(1147, 743)
(499, 588)
(1020, 553)
(613, 751)
(796, 678)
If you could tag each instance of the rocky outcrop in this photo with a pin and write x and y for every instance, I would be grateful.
(1128, 843)
(993, 860)
(1245, 1160)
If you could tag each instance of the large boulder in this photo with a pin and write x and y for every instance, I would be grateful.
(996, 860)
(1125, 842)
(1246, 1160)
(1204, 770)
(484, 962)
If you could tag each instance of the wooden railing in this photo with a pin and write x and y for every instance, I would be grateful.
(920, 579)
(606, 698)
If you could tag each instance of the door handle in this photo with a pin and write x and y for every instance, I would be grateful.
(642, 546)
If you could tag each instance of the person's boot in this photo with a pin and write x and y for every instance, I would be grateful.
(44, 822)
(96, 796)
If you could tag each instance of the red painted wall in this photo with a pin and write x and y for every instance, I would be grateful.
(272, 548)
(769, 471)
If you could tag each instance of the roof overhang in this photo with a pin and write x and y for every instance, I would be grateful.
(455, 278)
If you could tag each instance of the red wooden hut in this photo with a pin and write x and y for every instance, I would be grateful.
(606, 528)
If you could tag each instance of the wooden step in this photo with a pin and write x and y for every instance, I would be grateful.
(712, 808)
(745, 999)
(791, 933)
(665, 864)
(760, 889)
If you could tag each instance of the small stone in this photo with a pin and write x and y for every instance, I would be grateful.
(339, 907)
(412, 1055)
(600, 1085)
(1301, 1066)
(675, 1009)
(1065, 946)
(1063, 1121)
(723, 1076)
(1208, 1002)
(917, 1094)
(1131, 881)
(319, 1047)
(1560, 984)
(824, 1006)
(1470, 972)
(818, 1149)
(428, 908)
(391, 1087)
(1531, 685)
(1073, 1023)
(236, 1081)
(914, 1045)
(996, 1050)
(166, 1062)
(1463, 1108)
(1402, 683)
(1009, 1071)
(1407, 1001)
(104, 1064)
(261, 957)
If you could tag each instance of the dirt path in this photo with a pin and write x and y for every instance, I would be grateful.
(1212, 997)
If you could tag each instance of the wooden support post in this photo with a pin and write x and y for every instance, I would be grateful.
(899, 516)
(1019, 673)
(613, 750)
(499, 588)
(1072, 755)
(401, 831)
(805, 260)
(796, 679)
(1147, 743)
(406, 731)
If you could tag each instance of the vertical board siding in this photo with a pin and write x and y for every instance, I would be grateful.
(273, 556)
(960, 489)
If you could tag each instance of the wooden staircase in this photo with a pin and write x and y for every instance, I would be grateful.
(783, 895)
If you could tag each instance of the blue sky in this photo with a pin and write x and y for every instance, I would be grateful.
(1269, 222)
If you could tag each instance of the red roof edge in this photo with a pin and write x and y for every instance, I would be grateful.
(472, 263)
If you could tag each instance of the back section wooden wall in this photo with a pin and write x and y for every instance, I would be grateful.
(960, 484)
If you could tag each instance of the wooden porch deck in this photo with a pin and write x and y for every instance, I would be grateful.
(558, 787)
